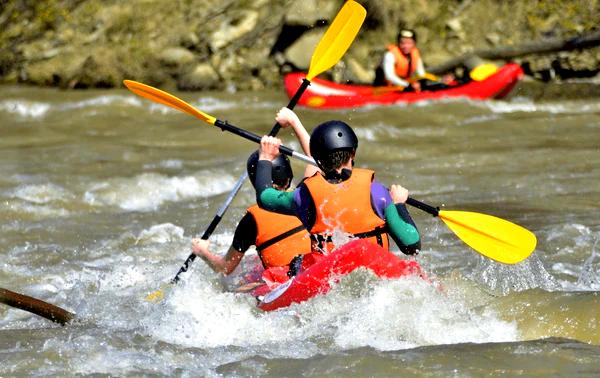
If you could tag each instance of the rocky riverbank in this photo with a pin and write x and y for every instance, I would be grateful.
(245, 45)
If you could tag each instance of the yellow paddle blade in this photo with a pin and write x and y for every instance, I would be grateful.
(378, 91)
(428, 76)
(483, 71)
(493, 237)
(337, 38)
(158, 295)
(168, 99)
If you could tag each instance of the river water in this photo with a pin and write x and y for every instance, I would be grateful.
(101, 191)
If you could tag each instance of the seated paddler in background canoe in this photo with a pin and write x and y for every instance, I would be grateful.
(337, 202)
(278, 238)
(403, 68)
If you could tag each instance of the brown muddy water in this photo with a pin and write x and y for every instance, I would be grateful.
(101, 191)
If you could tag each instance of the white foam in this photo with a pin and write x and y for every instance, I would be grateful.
(409, 312)
(105, 100)
(359, 311)
(24, 108)
(528, 106)
(167, 164)
(40, 200)
(160, 233)
(42, 193)
(39, 211)
(147, 191)
(210, 104)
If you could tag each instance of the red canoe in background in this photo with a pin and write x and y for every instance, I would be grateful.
(319, 276)
(329, 95)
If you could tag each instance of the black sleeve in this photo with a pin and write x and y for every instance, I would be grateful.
(245, 234)
(412, 249)
(263, 177)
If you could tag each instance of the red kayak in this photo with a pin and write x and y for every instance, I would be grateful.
(329, 95)
(318, 277)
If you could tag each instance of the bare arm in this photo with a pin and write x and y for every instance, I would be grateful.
(219, 264)
(286, 117)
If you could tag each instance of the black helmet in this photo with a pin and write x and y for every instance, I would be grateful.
(332, 136)
(282, 173)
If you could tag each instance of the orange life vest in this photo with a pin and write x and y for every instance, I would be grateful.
(279, 237)
(344, 206)
(403, 69)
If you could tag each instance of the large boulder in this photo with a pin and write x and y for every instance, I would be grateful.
(203, 76)
(99, 69)
(308, 12)
(300, 52)
(57, 71)
(232, 28)
(176, 57)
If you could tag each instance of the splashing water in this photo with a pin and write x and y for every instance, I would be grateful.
(529, 274)
(589, 279)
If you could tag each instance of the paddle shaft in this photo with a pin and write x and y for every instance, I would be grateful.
(238, 185)
(488, 235)
(330, 49)
(226, 126)
(292, 104)
(423, 206)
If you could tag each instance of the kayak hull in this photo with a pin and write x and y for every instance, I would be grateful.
(318, 277)
(329, 95)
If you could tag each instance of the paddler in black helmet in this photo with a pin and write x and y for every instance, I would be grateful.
(338, 197)
(278, 237)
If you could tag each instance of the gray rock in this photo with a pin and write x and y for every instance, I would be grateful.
(233, 28)
(203, 76)
(300, 52)
(176, 56)
(493, 39)
(308, 12)
(359, 74)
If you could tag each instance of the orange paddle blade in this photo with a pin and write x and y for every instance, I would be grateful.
(168, 99)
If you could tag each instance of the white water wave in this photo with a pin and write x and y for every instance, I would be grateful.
(24, 108)
(166, 164)
(107, 100)
(42, 193)
(527, 106)
(148, 191)
(406, 313)
(38, 109)
(39, 200)
(160, 233)
(360, 311)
